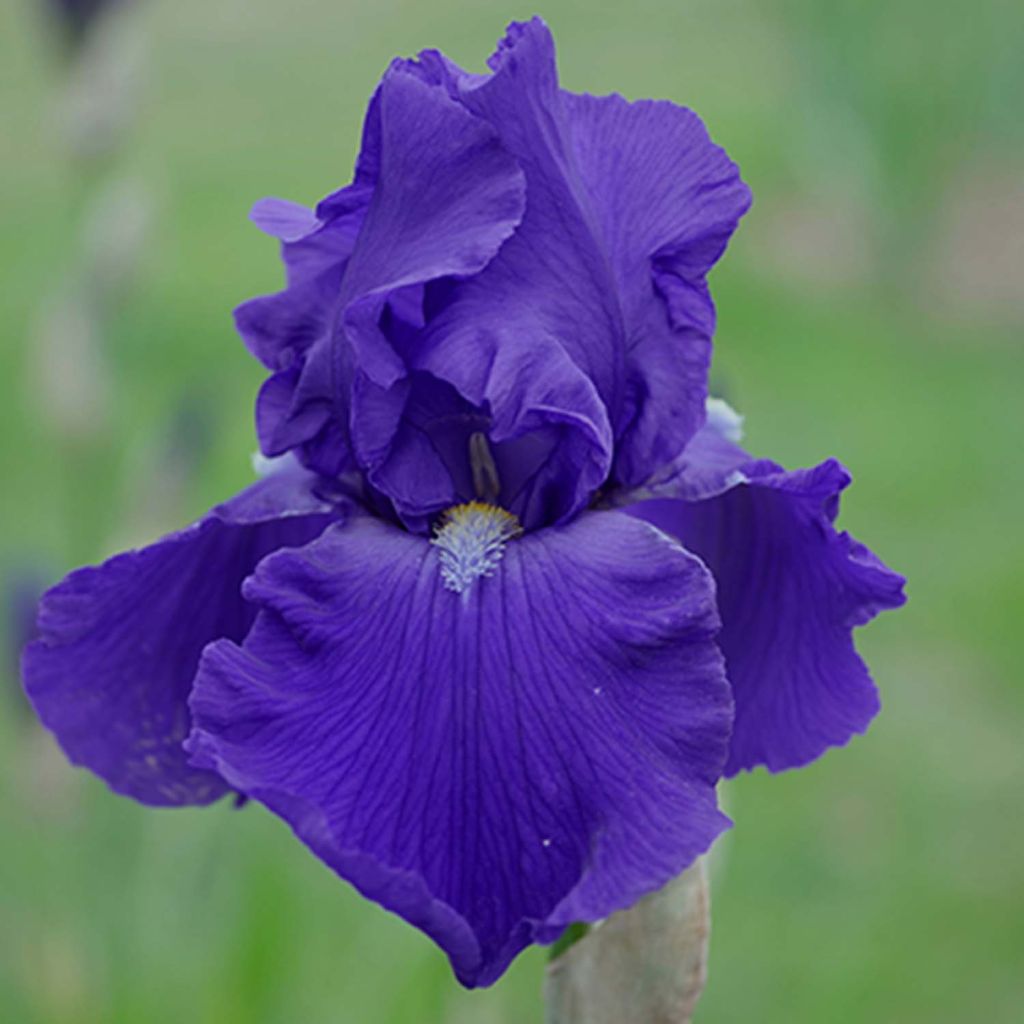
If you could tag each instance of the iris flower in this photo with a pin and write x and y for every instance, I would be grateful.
(510, 599)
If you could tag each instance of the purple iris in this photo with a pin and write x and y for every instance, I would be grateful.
(510, 601)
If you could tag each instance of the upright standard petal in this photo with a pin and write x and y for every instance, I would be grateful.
(435, 196)
(628, 206)
(290, 331)
(503, 225)
(448, 196)
(118, 644)
(533, 342)
(549, 430)
(553, 276)
(494, 753)
(667, 200)
(791, 589)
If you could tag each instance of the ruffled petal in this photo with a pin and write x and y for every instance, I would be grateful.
(493, 764)
(118, 644)
(283, 219)
(546, 424)
(712, 463)
(533, 342)
(449, 194)
(280, 329)
(552, 278)
(667, 200)
(290, 332)
(628, 206)
(435, 195)
(497, 214)
(791, 589)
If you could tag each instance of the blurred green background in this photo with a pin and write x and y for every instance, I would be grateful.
(871, 307)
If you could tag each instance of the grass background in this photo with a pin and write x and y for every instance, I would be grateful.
(871, 307)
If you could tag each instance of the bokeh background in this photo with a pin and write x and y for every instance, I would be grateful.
(871, 307)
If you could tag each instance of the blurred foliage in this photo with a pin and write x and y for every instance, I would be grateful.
(870, 307)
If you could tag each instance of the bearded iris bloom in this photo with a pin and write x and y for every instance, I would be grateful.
(510, 599)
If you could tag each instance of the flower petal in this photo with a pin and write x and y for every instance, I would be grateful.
(435, 195)
(283, 219)
(667, 200)
(791, 589)
(493, 764)
(628, 206)
(290, 332)
(554, 271)
(449, 195)
(119, 643)
(279, 329)
(547, 426)
(533, 342)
